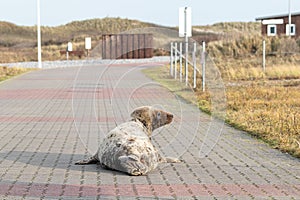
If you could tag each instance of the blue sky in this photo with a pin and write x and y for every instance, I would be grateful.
(163, 12)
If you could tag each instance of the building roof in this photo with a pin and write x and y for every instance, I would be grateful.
(277, 16)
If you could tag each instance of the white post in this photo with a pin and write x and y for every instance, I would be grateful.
(180, 54)
(186, 47)
(171, 60)
(88, 45)
(264, 55)
(175, 70)
(39, 35)
(194, 63)
(203, 66)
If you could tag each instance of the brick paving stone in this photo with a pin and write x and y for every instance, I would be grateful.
(51, 118)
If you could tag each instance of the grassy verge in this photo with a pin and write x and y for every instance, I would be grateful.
(268, 110)
(7, 72)
(279, 72)
(161, 75)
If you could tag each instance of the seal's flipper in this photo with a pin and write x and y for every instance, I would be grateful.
(132, 165)
(172, 160)
(90, 160)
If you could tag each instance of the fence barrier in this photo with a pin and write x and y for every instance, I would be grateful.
(127, 46)
(178, 55)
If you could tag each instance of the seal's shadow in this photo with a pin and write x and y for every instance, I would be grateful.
(58, 160)
(53, 160)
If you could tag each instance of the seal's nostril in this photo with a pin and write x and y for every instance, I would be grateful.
(169, 117)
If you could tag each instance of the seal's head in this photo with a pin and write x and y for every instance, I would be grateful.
(151, 118)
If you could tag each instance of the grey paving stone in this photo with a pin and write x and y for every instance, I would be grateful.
(51, 118)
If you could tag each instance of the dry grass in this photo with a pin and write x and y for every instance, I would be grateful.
(239, 57)
(268, 109)
(266, 104)
(18, 43)
(233, 27)
(271, 112)
(279, 72)
(9, 72)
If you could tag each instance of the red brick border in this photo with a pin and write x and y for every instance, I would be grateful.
(179, 190)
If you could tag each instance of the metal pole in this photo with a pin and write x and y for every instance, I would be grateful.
(175, 70)
(186, 47)
(203, 66)
(39, 35)
(194, 64)
(264, 55)
(180, 54)
(290, 18)
(171, 60)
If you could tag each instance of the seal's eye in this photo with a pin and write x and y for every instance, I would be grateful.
(158, 115)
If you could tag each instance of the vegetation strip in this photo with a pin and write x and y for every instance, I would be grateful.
(9, 72)
(270, 112)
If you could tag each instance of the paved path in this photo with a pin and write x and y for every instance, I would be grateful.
(52, 118)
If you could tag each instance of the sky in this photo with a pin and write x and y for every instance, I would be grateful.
(161, 12)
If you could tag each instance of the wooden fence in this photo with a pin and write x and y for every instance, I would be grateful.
(127, 46)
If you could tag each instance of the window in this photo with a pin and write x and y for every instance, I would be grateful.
(272, 30)
(292, 29)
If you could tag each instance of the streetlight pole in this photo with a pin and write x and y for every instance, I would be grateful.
(39, 35)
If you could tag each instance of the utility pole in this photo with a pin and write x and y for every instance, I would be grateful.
(39, 35)
(290, 18)
(185, 30)
(186, 46)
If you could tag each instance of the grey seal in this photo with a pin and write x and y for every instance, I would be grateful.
(128, 147)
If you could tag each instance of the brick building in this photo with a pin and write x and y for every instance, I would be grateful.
(278, 25)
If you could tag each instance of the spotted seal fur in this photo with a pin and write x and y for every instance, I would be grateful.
(128, 147)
